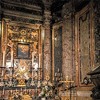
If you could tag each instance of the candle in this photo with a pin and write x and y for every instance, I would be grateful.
(61, 74)
(25, 89)
(10, 44)
(11, 91)
(58, 69)
(32, 74)
(16, 90)
(2, 73)
(66, 78)
(55, 74)
(3, 91)
(11, 58)
(33, 53)
(21, 89)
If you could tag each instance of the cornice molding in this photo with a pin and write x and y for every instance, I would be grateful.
(28, 25)
(21, 19)
(21, 9)
(21, 14)
(23, 4)
(27, 6)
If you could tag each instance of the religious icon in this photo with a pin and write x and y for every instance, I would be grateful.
(21, 72)
(23, 50)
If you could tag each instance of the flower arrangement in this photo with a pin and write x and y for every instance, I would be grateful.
(46, 90)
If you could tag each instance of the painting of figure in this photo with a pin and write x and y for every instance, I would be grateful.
(23, 51)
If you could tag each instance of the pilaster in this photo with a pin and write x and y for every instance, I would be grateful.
(47, 43)
(67, 40)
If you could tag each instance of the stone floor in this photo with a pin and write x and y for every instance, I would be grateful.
(80, 95)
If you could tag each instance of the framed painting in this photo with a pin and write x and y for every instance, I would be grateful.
(23, 51)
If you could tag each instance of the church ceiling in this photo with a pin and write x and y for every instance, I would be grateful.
(31, 11)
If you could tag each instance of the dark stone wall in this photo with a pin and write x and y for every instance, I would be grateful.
(97, 31)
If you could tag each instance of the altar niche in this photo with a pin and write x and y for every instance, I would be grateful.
(21, 55)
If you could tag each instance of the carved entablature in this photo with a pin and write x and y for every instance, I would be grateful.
(19, 8)
(67, 10)
(47, 17)
(18, 11)
(21, 19)
(29, 2)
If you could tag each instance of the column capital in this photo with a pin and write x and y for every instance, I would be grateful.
(47, 18)
(47, 4)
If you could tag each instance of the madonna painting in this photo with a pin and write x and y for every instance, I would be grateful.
(23, 50)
